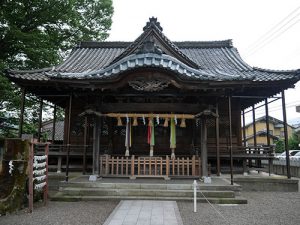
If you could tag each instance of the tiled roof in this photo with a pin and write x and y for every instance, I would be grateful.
(47, 127)
(210, 60)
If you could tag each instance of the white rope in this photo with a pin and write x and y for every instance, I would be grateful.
(11, 167)
(39, 172)
(39, 165)
(40, 178)
(157, 119)
(144, 120)
(39, 158)
(39, 186)
(223, 217)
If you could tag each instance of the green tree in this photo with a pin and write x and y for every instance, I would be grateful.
(37, 34)
(294, 142)
(279, 146)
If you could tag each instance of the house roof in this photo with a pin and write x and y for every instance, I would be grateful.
(201, 61)
(261, 133)
(277, 123)
(47, 127)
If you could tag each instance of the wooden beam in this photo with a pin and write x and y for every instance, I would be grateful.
(286, 142)
(40, 120)
(151, 107)
(22, 112)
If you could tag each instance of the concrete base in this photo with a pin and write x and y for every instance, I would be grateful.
(206, 180)
(267, 184)
(93, 178)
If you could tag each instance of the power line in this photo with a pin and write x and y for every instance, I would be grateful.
(264, 39)
(273, 38)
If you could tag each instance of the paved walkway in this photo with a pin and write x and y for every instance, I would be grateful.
(145, 212)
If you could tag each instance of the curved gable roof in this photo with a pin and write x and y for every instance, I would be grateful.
(210, 60)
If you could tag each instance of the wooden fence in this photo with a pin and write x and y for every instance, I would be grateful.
(150, 166)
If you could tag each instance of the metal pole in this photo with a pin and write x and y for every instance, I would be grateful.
(47, 184)
(40, 120)
(218, 140)
(245, 143)
(22, 112)
(195, 195)
(230, 140)
(288, 169)
(54, 124)
(30, 178)
(68, 137)
(85, 145)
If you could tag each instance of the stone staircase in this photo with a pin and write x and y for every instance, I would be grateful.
(93, 191)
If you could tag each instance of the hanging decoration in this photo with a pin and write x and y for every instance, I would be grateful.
(166, 122)
(144, 120)
(151, 134)
(11, 167)
(135, 122)
(150, 122)
(128, 134)
(39, 172)
(182, 124)
(150, 116)
(172, 134)
(119, 121)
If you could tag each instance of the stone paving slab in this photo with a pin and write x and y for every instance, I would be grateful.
(145, 212)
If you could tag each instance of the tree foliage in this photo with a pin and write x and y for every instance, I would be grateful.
(294, 142)
(37, 34)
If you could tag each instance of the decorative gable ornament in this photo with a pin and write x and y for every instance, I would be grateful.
(141, 84)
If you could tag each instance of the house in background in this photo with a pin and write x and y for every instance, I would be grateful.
(47, 131)
(276, 131)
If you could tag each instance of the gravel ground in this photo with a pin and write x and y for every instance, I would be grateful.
(263, 208)
(63, 213)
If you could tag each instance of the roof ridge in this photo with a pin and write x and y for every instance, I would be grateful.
(97, 44)
(30, 71)
(205, 44)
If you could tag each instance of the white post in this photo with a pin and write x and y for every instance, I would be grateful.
(195, 195)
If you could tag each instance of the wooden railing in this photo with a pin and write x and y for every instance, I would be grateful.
(58, 150)
(150, 166)
(240, 152)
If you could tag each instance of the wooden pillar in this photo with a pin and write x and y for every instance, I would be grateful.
(288, 169)
(254, 126)
(85, 145)
(69, 136)
(22, 112)
(40, 120)
(54, 124)
(244, 143)
(268, 137)
(204, 147)
(244, 130)
(96, 145)
(218, 140)
(230, 139)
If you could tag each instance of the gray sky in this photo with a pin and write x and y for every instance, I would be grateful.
(266, 32)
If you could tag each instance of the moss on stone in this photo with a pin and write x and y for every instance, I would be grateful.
(15, 149)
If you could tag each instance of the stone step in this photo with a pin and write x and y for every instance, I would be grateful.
(143, 192)
(235, 187)
(60, 197)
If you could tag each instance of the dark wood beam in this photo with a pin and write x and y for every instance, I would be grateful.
(286, 141)
(22, 112)
(151, 107)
